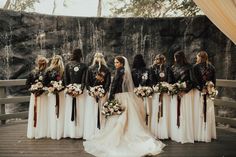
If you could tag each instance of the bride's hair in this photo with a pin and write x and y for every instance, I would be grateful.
(121, 59)
(127, 84)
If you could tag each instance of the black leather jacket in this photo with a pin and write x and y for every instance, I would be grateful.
(101, 77)
(75, 72)
(33, 76)
(156, 77)
(52, 75)
(202, 73)
(182, 73)
(116, 86)
(140, 77)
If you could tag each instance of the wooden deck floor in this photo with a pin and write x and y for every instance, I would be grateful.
(13, 143)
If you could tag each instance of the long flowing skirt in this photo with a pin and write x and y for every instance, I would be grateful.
(56, 124)
(40, 128)
(75, 128)
(126, 134)
(91, 112)
(183, 133)
(160, 124)
(204, 131)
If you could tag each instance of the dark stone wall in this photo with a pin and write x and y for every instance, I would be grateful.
(25, 35)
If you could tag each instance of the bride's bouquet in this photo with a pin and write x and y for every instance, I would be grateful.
(176, 88)
(143, 91)
(96, 91)
(55, 87)
(37, 88)
(210, 90)
(73, 89)
(112, 107)
(162, 87)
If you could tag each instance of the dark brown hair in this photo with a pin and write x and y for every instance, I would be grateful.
(180, 58)
(204, 56)
(138, 62)
(76, 55)
(120, 59)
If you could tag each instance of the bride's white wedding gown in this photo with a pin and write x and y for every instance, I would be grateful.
(125, 135)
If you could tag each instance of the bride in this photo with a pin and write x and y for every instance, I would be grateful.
(124, 135)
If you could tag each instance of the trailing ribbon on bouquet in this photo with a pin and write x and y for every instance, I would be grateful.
(35, 110)
(178, 110)
(98, 119)
(205, 106)
(73, 113)
(146, 109)
(160, 110)
(57, 104)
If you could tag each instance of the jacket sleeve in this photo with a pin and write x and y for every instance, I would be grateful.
(170, 77)
(115, 83)
(152, 77)
(107, 81)
(67, 75)
(88, 79)
(188, 80)
(83, 82)
(29, 80)
(214, 75)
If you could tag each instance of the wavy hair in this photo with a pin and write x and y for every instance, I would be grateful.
(57, 63)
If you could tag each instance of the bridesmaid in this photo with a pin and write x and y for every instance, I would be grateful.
(204, 112)
(181, 112)
(37, 119)
(56, 106)
(160, 72)
(140, 78)
(75, 73)
(139, 71)
(97, 74)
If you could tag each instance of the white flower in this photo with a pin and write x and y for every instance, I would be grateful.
(40, 78)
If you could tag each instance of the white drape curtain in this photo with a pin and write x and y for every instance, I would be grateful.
(222, 13)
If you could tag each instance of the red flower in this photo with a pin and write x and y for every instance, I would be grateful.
(58, 78)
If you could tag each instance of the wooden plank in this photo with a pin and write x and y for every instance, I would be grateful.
(225, 83)
(21, 115)
(230, 121)
(15, 99)
(16, 82)
(220, 102)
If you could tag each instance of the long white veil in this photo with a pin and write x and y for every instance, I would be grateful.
(128, 84)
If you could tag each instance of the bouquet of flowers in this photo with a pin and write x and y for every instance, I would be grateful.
(210, 90)
(56, 87)
(143, 91)
(162, 87)
(96, 91)
(177, 87)
(112, 107)
(37, 89)
(73, 90)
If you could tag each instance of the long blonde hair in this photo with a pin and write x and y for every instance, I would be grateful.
(203, 57)
(57, 63)
(41, 63)
(98, 57)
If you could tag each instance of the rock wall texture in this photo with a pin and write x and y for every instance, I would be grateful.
(25, 35)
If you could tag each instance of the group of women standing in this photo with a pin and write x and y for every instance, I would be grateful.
(183, 117)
